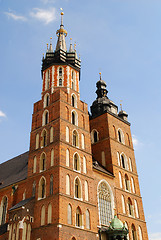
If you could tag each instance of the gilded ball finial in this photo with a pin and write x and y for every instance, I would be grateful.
(50, 37)
(62, 13)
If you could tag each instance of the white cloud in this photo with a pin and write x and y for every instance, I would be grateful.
(155, 236)
(136, 142)
(15, 17)
(48, 1)
(43, 15)
(2, 114)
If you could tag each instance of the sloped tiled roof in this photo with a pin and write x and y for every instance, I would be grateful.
(13, 170)
(21, 203)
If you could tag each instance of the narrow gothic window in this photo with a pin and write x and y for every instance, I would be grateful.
(46, 118)
(60, 82)
(134, 235)
(77, 188)
(4, 210)
(60, 72)
(52, 157)
(127, 183)
(73, 118)
(44, 139)
(75, 138)
(51, 185)
(103, 159)
(123, 161)
(51, 135)
(67, 184)
(34, 166)
(28, 232)
(86, 190)
(73, 101)
(42, 188)
(132, 183)
(42, 162)
(123, 204)
(69, 214)
(95, 135)
(76, 162)
(49, 213)
(78, 217)
(67, 157)
(120, 180)
(47, 100)
(37, 141)
(104, 201)
(67, 134)
(87, 219)
(83, 143)
(24, 231)
(140, 234)
(130, 207)
(84, 165)
(136, 208)
(119, 135)
(43, 215)
(33, 189)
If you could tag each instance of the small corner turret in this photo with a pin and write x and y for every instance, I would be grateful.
(61, 55)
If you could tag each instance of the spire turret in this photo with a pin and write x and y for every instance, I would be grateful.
(61, 33)
(51, 47)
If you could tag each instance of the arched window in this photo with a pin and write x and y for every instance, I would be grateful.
(52, 157)
(67, 134)
(120, 180)
(60, 82)
(51, 185)
(74, 101)
(130, 164)
(120, 136)
(75, 138)
(133, 230)
(78, 217)
(76, 162)
(33, 189)
(4, 203)
(123, 204)
(132, 183)
(46, 100)
(42, 188)
(140, 233)
(126, 225)
(10, 232)
(130, 207)
(73, 80)
(103, 159)
(67, 184)
(34, 166)
(45, 117)
(60, 72)
(24, 231)
(51, 135)
(28, 232)
(69, 214)
(94, 136)
(127, 183)
(77, 188)
(74, 118)
(136, 208)
(118, 158)
(67, 157)
(87, 219)
(83, 141)
(86, 190)
(42, 162)
(14, 232)
(123, 161)
(104, 202)
(43, 215)
(84, 165)
(49, 213)
(44, 138)
(37, 141)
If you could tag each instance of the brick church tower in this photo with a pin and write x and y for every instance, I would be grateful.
(79, 179)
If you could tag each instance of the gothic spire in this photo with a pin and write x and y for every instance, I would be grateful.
(61, 33)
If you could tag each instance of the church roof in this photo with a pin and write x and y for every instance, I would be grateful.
(13, 170)
(21, 203)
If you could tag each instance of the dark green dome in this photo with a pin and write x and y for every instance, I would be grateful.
(116, 223)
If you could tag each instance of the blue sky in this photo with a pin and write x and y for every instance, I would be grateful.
(120, 38)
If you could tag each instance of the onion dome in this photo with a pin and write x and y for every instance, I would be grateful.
(116, 224)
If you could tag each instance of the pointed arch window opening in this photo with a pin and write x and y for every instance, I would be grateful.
(46, 118)
(123, 161)
(47, 100)
(105, 209)
(4, 210)
(75, 138)
(60, 82)
(51, 185)
(73, 118)
(76, 162)
(77, 189)
(60, 72)
(78, 218)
